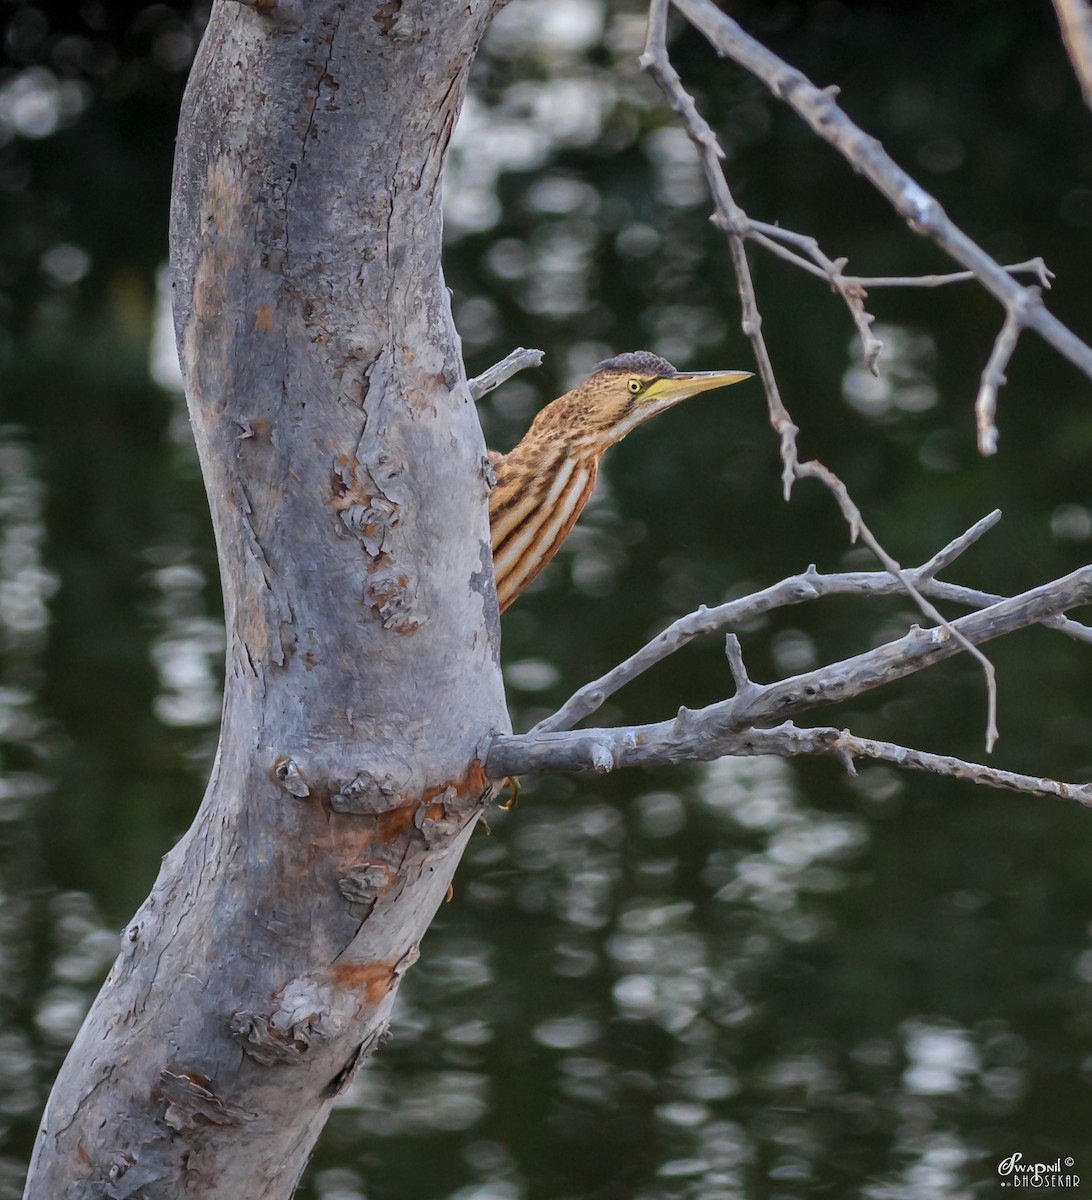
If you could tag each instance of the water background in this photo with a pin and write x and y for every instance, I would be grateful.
(752, 979)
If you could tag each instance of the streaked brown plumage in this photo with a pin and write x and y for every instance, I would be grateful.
(546, 480)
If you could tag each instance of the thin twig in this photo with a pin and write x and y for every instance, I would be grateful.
(829, 269)
(782, 251)
(519, 360)
(1035, 266)
(788, 740)
(947, 555)
(778, 233)
(731, 218)
(993, 379)
(720, 728)
(733, 651)
(924, 214)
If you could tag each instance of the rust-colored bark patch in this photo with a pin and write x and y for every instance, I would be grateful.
(452, 799)
(474, 783)
(264, 317)
(373, 978)
(393, 823)
(477, 781)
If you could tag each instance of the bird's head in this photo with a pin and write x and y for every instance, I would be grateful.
(625, 390)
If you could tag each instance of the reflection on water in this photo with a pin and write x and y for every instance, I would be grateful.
(27, 745)
(82, 950)
(34, 103)
(664, 947)
(905, 383)
(669, 951)
(756, 979)
(515, 131)
(26, 585)
(188, 650)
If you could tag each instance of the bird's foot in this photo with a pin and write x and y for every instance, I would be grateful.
(511, 782)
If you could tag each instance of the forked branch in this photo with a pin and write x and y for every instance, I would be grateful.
(742, 724)
(734, 221)
(733, 725)
(796, 589)
(924, 214)
(788, 741)
(519, 360)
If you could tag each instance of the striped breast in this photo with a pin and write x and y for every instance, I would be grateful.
(530, 515)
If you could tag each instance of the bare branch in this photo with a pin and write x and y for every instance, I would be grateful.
(1023, 304)
(993, 379)
(775, 246)
(733, 651)
(857, 526)
(765, 234)
(1075, 19)
(1034, 265)
(922, 211)
(797, 589)
(519, 360)
(948, 554)
(719, 729)
(829, 269)
(657, 32)
(787, 741)
(654, 59)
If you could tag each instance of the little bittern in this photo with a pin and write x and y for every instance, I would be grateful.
(546, 480)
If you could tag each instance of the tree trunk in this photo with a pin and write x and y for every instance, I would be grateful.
(347, 480)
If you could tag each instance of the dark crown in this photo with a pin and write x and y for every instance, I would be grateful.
(639, 362)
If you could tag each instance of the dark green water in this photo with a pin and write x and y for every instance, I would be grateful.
(756, 979)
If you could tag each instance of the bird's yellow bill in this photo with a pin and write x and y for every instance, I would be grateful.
(672, 388)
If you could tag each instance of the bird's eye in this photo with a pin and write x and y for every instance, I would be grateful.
(635, 386)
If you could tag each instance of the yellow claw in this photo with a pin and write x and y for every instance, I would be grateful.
(511, 782)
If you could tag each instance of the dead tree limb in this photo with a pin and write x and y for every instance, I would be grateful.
(734, 221)
(819, 109)
(731, 726)
(519, 360)
(788, 741)
(797, 589)
(364, 719)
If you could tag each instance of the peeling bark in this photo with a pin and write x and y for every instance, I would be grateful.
(342, 457)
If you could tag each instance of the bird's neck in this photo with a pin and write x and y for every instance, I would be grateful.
(548, 451)
(541, 488)
(576, 422)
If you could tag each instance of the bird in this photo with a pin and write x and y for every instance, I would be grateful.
(544, 482)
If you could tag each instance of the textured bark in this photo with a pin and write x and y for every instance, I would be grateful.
(344, 465)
